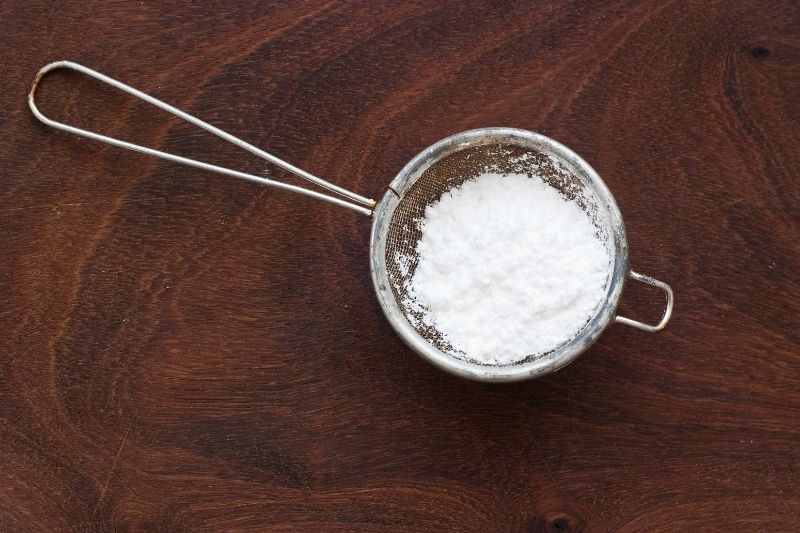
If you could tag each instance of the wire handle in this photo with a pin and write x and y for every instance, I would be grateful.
(354, 201)
(667, 311)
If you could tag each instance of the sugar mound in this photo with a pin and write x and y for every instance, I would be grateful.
(508, 268)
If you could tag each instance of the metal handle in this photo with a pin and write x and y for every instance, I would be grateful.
(667, 312)
(357, 202)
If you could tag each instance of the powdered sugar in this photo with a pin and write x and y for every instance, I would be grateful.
(508, 268)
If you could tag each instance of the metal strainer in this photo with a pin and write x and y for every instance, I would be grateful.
(395, 233)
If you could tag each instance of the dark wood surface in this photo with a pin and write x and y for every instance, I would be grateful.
(185, 352)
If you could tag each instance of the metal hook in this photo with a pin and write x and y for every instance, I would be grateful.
(667, 310)
(358, 203)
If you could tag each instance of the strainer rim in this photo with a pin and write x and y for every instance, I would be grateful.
(539, 366)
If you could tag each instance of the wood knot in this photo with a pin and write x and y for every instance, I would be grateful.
(558, 522)
(759, 52)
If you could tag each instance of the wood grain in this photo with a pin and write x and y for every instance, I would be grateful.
(182, 352)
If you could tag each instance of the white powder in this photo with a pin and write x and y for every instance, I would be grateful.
(508, 268)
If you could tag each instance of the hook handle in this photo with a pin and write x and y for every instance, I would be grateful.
(667, 311)
(356, 202)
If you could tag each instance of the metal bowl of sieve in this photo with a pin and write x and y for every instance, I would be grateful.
(448, 164)
(395, 229)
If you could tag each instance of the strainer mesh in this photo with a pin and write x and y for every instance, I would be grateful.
(447, 173)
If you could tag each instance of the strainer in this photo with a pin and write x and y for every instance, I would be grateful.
(395, 232)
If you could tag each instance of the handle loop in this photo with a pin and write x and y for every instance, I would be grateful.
(667, 311)
(354, 201)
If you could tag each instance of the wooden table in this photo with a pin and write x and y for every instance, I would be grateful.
(186, 352)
